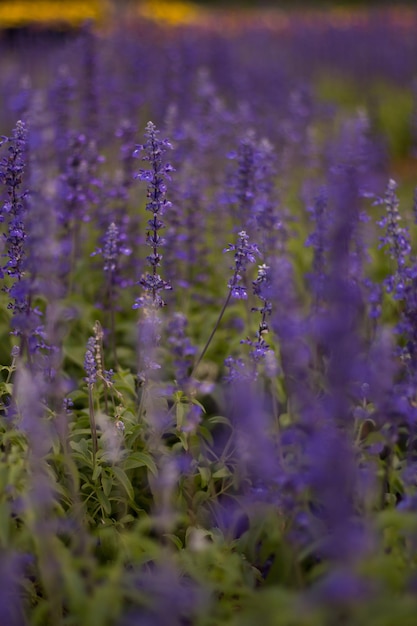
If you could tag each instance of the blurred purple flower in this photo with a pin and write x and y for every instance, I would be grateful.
(181, 348)
(90, 364)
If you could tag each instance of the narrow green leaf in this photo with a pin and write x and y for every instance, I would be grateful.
(223, 472)
(180, 414)
(104, 501)
(124, 481)
(218, 419)
(5, 516)
(97, 472)
(106, 483)
(140, 459)
(205, 475)
(175, 540)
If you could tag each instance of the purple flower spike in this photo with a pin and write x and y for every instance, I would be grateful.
(111, 251)
(14, 210)
(90, 365)
(245, 253)
(182, 350)
(396, 240)
(154, 149)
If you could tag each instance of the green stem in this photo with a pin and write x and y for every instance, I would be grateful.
(92, 422)
(208, 342)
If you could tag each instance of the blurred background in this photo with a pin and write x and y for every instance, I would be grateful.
(70, 14)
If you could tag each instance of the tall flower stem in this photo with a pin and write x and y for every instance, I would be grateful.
(90, 367)
(213, 332)
(92, 422)
(244, 253)
(112, 320)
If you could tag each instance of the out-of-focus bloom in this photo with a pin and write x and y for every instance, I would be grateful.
(80, 182)
(319, 241)
(182, 350)
(90, 364)
(111, 251)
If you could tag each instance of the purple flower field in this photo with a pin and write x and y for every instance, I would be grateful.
(209, 323)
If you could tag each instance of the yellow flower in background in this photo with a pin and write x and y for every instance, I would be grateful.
(171, 12)
(16, 13)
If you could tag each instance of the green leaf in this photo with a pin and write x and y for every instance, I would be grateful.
(104, 501)
(183, 437)
(223, 472)
(5, 516)
(199, 498)
(78, 394)
(398, 520)
(197, 403)
(140, 459)
(124, 481)
(125, 381)
(6, 388)
(219, 419)
(104, 602)
(206, 434)
(97, 472)
(180, 414)
(81, 446)
(126, 519)
(175, 540)
(106, 483)
(205, 475)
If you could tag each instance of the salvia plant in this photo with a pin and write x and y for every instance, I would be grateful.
(208, 398)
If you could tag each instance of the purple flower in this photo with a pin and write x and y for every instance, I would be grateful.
(182, 350)
(318, 240)
(12, 572)
(126, 132)
(243, 183)
(396, 240)
(260, 351)
(90, 364)
(12, 168)
(238, 370)
(245, 253)
(154, 150)
(112, 250)
(62, 95)
(267, 218)
(25, 322)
